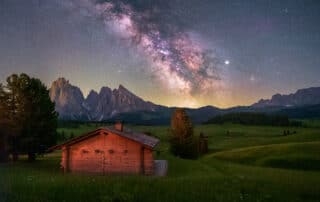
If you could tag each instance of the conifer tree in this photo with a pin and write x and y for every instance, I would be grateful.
(31, 115)
(182, 140)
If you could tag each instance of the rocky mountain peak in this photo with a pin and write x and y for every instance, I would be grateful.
(61, 82)
(71, 104)
(105, 90)
(307, 96)
(122, 91)
(121, 87)
(92, 93)
(92, 96)
(68, 99)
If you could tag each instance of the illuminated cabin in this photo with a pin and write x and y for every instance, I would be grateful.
(109, 151)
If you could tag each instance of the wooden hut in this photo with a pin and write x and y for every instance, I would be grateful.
(109, 151)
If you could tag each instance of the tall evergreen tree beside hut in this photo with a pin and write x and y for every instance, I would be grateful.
(182, 141)
(31, 115)
(4, 126)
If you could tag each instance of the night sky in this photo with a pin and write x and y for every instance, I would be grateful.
(171, 52)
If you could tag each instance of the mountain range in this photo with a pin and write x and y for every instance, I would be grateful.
(120, 103)
(308, 96)
(71, 104)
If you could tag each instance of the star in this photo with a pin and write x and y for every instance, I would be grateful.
(252, 78)
(226, 62)
(285, 10)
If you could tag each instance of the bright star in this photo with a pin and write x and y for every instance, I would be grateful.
(252, 78)
(227, 62)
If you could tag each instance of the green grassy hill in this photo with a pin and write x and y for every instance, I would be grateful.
(303, 156)
(245, 163)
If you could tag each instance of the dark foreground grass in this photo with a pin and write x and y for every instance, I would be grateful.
(206, 179)
(201, 180)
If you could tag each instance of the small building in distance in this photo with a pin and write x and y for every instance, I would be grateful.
(203, 144)
(109, 151)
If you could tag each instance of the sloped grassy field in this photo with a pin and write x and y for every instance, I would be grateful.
(245, 163)
(302, 156)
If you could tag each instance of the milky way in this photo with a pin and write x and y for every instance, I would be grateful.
(176, 60)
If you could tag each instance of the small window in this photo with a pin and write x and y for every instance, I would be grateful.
(84, 151)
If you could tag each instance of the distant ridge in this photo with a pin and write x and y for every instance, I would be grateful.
(120, 103)
(307, 96)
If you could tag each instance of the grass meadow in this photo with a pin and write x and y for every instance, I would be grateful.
(245, 163)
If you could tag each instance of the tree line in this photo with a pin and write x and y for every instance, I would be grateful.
(253, 118)
(28, 120)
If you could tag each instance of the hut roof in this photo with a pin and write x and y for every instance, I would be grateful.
(141, 138)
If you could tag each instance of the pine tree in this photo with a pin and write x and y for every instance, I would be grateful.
(13, 96)
(4, 126)
(182, 140)
(31, 114)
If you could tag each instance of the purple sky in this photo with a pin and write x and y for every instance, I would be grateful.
(178, 52)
